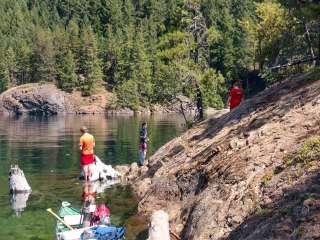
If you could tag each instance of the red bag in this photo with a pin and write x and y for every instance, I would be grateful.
(101, 215)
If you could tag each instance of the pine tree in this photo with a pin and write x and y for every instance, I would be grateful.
(90, 66)
(4, 72)
(23, 62)
(111, 55)
(141, 67)
(66, 76)
(75, 42)
(8, 69)
(43, 57)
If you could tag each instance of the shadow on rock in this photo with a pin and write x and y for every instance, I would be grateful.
(296, 215)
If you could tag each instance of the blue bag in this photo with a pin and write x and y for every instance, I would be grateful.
(107, 233)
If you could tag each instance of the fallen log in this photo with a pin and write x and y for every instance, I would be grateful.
(17, 181)
(159, 226)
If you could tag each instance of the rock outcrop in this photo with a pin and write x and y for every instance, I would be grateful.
(227, 178)
(34, 99)
(47, 99)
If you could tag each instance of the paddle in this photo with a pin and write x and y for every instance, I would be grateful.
(67, 225)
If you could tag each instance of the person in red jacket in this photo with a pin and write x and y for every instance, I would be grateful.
(236, 95)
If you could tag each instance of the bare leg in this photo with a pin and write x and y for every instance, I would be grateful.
(89, 172)
(145, 154)
(85, 172)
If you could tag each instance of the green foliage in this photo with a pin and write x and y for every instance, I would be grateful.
(89, 66)
(8, 66)
(128, 95)
(266, 32)
(4, 77)
(308, 152)
(266, 179)
(262, 211)
(214, 88)
(158, 48)
(43, 57)
(66, 75)
(268, 75)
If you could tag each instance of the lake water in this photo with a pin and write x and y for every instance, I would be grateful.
(46, 149)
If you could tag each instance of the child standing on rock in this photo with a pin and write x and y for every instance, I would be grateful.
(143, 143)
(86, 144)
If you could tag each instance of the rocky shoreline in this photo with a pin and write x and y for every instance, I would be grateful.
(47, 99)
(229, 177)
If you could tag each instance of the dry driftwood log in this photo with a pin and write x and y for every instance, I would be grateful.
(159, 227)
(17, 181)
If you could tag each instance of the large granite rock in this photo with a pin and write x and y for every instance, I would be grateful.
(40, 99)
(47, 99)
(227, 178)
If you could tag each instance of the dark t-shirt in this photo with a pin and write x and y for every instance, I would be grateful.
(143, 135)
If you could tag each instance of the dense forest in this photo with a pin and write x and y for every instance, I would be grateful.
(150, 51)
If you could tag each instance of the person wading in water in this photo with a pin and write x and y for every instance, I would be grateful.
(236, 95)
(87, 144)
(143, 143)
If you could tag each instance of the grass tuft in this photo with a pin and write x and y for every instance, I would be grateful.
(306, 154)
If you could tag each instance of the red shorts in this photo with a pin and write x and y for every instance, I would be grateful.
(86, 159)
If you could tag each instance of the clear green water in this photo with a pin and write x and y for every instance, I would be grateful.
(47, 151)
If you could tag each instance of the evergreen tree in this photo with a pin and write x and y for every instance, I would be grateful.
(4, 72)
(152, 50)
(90, 68)
(24, 54)
(66, 76)
(140, 74)
(43, 57)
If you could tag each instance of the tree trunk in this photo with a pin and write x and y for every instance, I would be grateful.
(318, 59)
(199, 102)
(309, 42)
(196, 61)
(159, 227)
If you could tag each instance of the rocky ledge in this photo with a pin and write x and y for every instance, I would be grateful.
(240, 176)
(47, 99)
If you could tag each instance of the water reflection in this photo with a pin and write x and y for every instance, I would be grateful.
(89, 196)
(93, 213)
(19, 202)
(47, 151)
